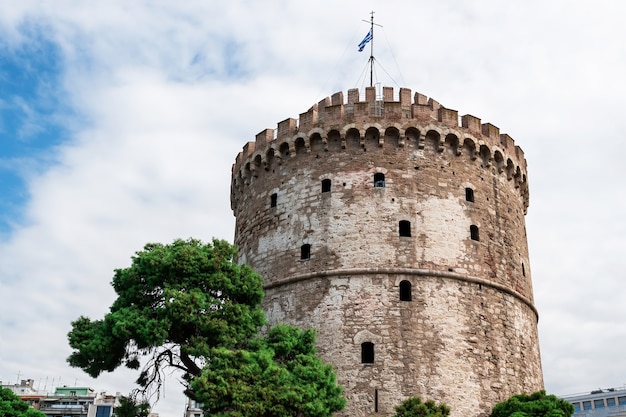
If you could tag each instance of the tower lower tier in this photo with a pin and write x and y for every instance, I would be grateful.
(391, 334)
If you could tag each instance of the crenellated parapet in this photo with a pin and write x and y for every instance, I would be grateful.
(403, 121)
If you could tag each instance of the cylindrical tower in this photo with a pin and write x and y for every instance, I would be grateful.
(399, 235)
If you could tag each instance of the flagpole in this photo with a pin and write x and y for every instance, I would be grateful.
(372, 50)
(371, 41)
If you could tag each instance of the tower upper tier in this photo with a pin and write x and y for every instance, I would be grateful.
(416, 118)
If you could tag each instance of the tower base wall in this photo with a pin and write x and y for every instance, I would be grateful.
(457, 340)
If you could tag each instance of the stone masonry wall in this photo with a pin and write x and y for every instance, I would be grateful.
(462, 343)
(333, 246)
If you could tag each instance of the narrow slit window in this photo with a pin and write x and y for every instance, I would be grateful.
(474, 232)
(376, 401)
(469, 195)
(326, 186)
(273, 200)
(404, 228)
(523, 270)
(367, 352)
(405, 291)
(305, 251)
(379, 180)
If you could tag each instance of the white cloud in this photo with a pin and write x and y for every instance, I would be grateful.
(164, 96)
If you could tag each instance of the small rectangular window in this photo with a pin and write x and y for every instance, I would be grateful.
(610, 402)
(621, 400)
(474, 232)
(326, 186)
(469, 195)
(273, 199)
(598, 403)
(305, 251)
(367, 352)
(586, 405)
(379, 180)
(404, 228)
(405, 291)
(576, 407)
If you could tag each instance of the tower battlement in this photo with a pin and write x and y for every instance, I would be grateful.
(335, 111)
(401, 124)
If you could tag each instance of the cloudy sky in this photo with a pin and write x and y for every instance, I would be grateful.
(119, 122)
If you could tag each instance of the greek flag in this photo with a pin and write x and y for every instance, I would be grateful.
(365, 40)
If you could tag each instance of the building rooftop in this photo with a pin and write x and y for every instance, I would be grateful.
(608, 402)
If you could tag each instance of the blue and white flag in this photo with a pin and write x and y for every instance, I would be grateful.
(365, 40)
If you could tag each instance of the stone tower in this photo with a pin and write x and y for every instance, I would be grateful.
(399, 235)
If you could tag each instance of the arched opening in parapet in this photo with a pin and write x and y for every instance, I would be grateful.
(452, 144)
(510, 169)
(412, 137)
(353, 139)
(474, 232)
(269, 159)
(326, 185)
(305, 251)
(379, 180)
(498, 160)
(317, 145)
(284, 150)
(258, 162)
(273, 200)
(404, 228)
(334, 141)
(469, 195)
(247, 173)
(405, 291)
(300, 146)
(432, 140)
(372, 138)
(367, 352)
(240, 180)
(392, 137)
(485, 155)
(469, 148)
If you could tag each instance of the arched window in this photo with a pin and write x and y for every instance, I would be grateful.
(404, 228)
(469, 195)
(305, 251)
(326, 185)
(474, 232)
(379, 180)
(273, 199)
(367, 352)
(405, 291)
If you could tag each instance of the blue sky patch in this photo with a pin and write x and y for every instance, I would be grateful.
(31, 100)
